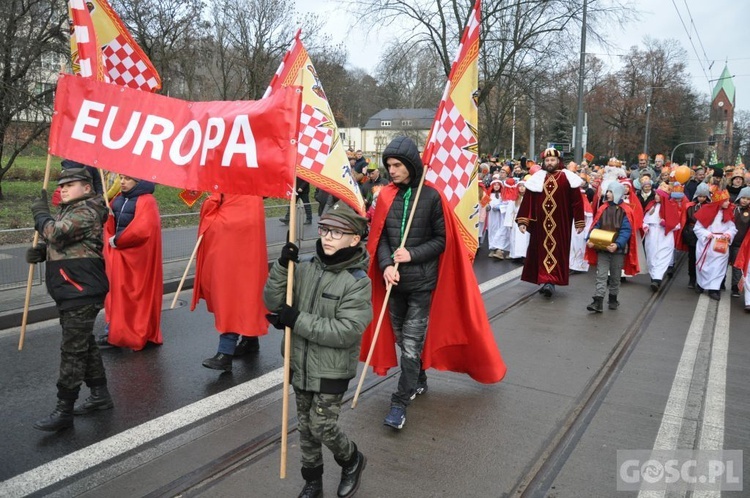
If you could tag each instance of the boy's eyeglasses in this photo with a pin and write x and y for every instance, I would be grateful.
(335, 233)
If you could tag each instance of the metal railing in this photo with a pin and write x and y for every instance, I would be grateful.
(177, 243)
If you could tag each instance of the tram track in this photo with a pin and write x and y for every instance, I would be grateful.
(199, 480)
(202, 478)
(541, 473)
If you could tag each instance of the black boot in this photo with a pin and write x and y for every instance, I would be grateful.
(247, 345)
(220, 361)
(613, 304)
(99, 400)
(313, 482)
(61, 418)
(596, 305)
(351, 472)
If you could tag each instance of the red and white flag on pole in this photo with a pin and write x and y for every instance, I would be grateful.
(321, 158)
(94, 25)
(451, 152)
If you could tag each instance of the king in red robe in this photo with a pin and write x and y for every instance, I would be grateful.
(550, 207)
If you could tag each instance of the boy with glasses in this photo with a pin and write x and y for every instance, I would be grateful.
(330, 311)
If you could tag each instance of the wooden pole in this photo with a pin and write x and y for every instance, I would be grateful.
(104, 187)
(187, 268)
(30, 279)
(388, 293)
(288, 337)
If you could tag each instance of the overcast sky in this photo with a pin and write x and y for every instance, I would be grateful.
(722, 35)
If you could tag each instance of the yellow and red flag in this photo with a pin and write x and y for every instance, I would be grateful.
(452, 148)
(321, 157)
(123, 61)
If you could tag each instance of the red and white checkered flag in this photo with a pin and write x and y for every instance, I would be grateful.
(98, 34)
(315, 136)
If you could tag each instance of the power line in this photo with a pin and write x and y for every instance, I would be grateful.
(697, 34)
(690, 38)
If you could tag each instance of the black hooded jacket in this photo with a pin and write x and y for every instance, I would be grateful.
(426, 239)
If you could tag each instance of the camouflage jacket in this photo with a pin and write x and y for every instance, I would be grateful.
(75, 265)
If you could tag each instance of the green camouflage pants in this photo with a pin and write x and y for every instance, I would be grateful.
(80, 359)
(318, 415)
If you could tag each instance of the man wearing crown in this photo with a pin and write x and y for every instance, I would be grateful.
(552, 204)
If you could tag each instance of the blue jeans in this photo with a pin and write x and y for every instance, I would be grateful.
(410, 314)
(227, 342)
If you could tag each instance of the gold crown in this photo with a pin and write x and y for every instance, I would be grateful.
(719, 195)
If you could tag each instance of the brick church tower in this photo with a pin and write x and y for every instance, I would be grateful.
(722, 116)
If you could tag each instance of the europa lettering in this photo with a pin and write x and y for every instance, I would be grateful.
(160, 133)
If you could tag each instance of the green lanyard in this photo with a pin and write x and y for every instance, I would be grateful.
(407, 198)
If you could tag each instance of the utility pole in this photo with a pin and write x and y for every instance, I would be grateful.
(648, 116)
(578, 152)
(532, 134)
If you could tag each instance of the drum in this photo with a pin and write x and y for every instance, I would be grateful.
(602, 238)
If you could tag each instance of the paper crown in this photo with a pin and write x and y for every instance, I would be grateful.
(719, 195)
(551, 152)
(643, 156)
(659, 156)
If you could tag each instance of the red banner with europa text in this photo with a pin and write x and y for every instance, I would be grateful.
(239, 147)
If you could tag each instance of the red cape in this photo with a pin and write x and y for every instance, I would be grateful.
(458, 342)
(743, 259)
(136, 283)
(669, 211)
(630, 264)
(232, 263)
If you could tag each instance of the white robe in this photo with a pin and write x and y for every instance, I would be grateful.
(494, 223)
(519, 242)
(659, 245)
(711, 266)
(578, 245)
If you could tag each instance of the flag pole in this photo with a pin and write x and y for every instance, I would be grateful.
(288, 336)
(104, 188)
(187, 268)
(388, 292)
(25, 318)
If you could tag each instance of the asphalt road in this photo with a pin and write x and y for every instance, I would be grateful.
(666, 370)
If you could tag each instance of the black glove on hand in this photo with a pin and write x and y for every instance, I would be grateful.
(273, 319)
(288, 316)
(289, 252)
(40, 205)
(36, 254)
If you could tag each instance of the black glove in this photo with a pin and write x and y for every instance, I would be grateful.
(288, 316)
(40, 211)
(36, 254)
(289, 252)
(273, 319)
(40, 205)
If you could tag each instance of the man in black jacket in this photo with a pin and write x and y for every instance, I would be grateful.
(417, 272)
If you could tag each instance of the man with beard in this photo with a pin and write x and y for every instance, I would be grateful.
(552, 203)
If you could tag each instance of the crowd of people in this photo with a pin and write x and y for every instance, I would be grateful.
(625, 220)
(552, 218)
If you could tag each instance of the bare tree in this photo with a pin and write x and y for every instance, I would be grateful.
(31, 33)
(169, 32)
(517, 39)
(414, 75)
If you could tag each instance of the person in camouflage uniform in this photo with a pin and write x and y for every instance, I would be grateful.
(72, 247)
(332, 295)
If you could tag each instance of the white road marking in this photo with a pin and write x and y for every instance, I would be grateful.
(74, 463)
(674, 411)
(498, 281)
(77, 462)
(712, 427)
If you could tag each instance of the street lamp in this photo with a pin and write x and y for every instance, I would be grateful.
(671, 156)
(648, 116)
